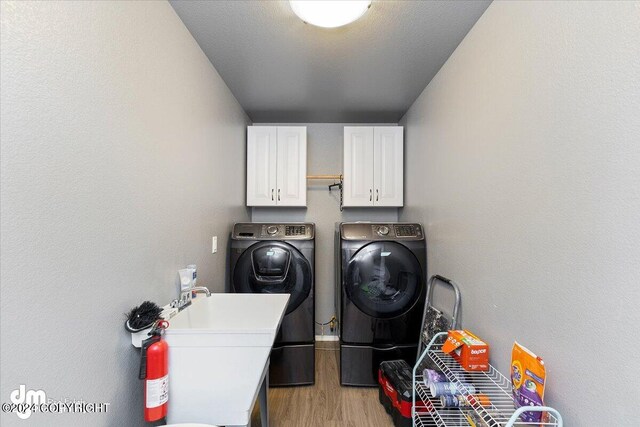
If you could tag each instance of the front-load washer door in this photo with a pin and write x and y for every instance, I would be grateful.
(274, 268)
(383, 279)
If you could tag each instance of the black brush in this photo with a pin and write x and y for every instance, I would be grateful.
(142, 317)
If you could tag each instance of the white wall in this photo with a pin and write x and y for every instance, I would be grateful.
(523, 160)
(122, 154)
(324, 157)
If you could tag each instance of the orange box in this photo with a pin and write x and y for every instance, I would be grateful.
(470, 351)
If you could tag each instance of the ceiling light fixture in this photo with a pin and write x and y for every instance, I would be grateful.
(329, 13)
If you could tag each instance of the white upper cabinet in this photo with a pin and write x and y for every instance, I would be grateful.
(261, 165)
(388, 161)
(276, 166)
(291, 182)
(373, 166)
(358, 166)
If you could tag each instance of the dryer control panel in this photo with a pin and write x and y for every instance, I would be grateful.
(273, 231)
(381, 231)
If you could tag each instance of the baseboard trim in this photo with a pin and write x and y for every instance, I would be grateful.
(326, 338)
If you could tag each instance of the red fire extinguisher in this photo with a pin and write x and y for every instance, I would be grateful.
(154, 369)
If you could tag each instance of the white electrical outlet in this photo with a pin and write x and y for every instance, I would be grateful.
(214, 244)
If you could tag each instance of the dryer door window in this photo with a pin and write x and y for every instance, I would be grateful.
(274, 268)
(383, 279)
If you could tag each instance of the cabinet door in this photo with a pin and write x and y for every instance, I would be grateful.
(388, 163)
(261, 165)
(358, 166)
(291, 189)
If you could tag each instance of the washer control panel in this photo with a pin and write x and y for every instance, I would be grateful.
(273, 231)
(386, 231)
(382, 230)
(295, 230)
(406, 230)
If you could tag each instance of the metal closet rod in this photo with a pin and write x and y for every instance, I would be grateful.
(324, 176)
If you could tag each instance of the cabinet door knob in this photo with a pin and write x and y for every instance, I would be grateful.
(278, 194)
(370, 194)
(377, 195)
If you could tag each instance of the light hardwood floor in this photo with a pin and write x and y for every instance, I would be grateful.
(326, 403)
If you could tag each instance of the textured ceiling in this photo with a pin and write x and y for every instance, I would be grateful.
(283, 70)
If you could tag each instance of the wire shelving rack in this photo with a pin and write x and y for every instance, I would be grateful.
(495, 409)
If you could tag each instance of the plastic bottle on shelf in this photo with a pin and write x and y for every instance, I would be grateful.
(450, 389)
(461, 401)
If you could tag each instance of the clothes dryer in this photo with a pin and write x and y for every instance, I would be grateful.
(380, 290)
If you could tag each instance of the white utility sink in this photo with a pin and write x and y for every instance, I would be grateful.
(219, 357)
(228, 320)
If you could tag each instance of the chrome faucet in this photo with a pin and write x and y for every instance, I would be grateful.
(185, 296)
(201, 289)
